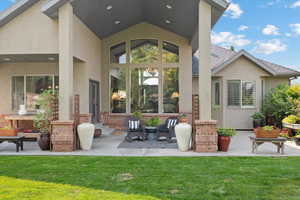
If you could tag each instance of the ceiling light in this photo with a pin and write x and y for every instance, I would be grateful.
(117, 22)
(168, 6)
(168, 21)
(6, 59)
(109, 7)
(51, 59)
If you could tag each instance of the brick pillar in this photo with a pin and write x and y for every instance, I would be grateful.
(206, 137)
(63, 136)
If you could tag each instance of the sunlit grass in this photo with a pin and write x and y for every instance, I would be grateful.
(207, 178)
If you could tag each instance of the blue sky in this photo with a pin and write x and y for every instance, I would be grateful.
(269, 29)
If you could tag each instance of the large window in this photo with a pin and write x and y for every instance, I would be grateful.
(241, 93)
(26, 90)
(144, 51)
(170, 90)
(118, 90)
(144, 90)
(144, 76)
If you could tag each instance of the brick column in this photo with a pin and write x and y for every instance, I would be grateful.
(63, 136)
(206, 137)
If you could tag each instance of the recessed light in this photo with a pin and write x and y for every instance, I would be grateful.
(6, 59)
(51, 59)
(117, 22)
(109, 7)
(168, 6)
(168, 21)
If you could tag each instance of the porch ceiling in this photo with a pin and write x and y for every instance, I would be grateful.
(182, 14)
(17, 58)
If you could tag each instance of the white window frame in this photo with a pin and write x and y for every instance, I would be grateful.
(214, 82)
(241, 95)
(25, 85)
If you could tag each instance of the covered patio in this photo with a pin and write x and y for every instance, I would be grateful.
(107, 145)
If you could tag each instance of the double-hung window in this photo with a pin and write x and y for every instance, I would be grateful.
(241, 93)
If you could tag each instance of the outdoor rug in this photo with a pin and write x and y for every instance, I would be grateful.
(148, 144)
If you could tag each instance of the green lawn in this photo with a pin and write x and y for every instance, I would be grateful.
(129, 178)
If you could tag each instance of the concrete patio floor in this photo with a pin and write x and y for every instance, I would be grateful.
(107, 145)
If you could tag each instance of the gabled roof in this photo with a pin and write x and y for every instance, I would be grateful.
(221, 58)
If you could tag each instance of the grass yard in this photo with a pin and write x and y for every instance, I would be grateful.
(115, 178)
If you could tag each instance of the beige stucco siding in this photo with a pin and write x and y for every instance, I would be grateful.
(31, 32)
(148, 31)
(87, 48)
(12, 69)
(273, 82)
(246, 70)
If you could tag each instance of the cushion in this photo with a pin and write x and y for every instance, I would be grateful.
(133, 124)
(171, 123)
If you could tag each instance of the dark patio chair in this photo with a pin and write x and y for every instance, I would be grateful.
(135, 129)
(167, 129)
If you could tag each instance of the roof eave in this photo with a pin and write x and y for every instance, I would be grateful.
(51, 7)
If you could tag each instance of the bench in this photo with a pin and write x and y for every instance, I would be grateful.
(17, 140)
(279, 142)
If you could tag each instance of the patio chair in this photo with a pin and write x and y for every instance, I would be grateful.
(167, 129)
(135, 129)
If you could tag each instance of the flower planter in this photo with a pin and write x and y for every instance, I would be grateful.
(86, 133)
(184, 120)
(223, 143)
(8, 132)
(183, 132)
(44, 141)
(261, 133)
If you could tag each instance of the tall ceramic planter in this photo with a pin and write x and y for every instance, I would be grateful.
(183, 132)
(86, 135)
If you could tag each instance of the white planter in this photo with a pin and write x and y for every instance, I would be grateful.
(183, 132)
(86, 135)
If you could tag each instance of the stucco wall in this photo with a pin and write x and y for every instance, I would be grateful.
(10, 69)
(148, 31)
(273, 82)
(29, 33)
(241, 69)
(87, 48)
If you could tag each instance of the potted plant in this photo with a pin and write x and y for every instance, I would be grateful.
(8, 132)
(267, 132)
(42, 119)
(137, 115)
(153, 122)
(258, 119)
(224, 138)
(183, 118)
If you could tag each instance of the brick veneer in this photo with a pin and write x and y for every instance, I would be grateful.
(62, 136)
(85, 118)
(205, 137)
(3, 122)
(117, 120)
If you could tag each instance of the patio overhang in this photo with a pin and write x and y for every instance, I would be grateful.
(105, 18)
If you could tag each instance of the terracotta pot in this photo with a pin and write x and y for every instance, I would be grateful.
(223, 143)
(8, 132)
(184, 120)
(98, 133)
(44, 141)
(261, 133)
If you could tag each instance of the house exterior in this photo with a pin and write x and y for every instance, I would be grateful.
(122, 57)
(239, 83)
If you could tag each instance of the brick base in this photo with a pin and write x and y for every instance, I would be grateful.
(62, 136)
(206, 137)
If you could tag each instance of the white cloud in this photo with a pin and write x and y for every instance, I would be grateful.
(295, 28)
(296, 4)
(288, 35)
(243, 28)
(229, 39)
(270, 30)
(234, 10)
(269, 47)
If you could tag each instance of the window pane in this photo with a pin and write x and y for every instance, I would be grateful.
(118, 90)
(170, 53)
(217, 93)
(144, 90)
(248, 90)
(17, 92)
(170, 90)
(234, 93)
(144, 51)
(118, 54)
(35, 85)
(56, 82)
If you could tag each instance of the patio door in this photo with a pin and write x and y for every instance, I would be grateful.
(94, 106)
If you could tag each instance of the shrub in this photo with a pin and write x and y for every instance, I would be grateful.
(277, 104)
(258, 116)
(153, 122)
